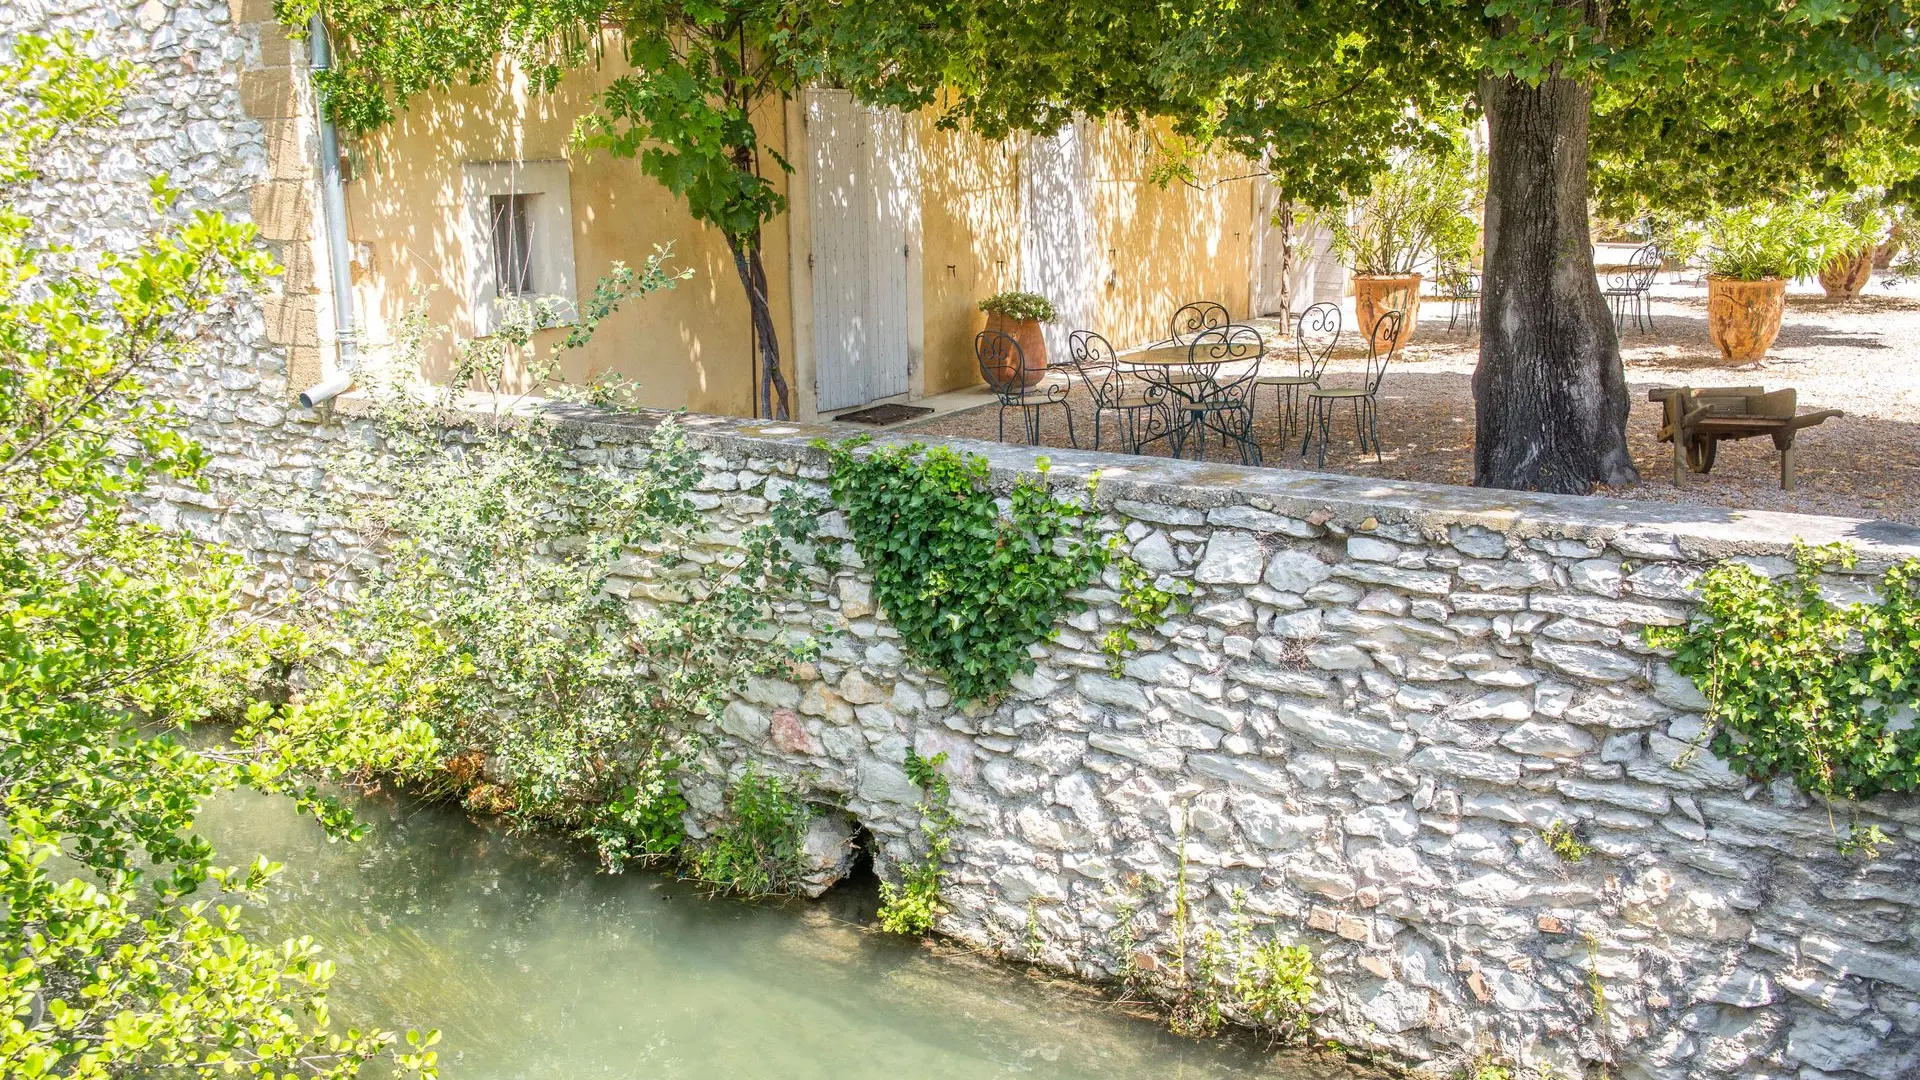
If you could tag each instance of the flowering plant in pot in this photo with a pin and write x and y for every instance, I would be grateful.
(1852, 229)
(1752, 252)
(1417, 211)
(1019, 315)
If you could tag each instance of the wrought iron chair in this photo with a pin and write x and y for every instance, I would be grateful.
(1383, 343)
(1136, 403)
(1189, 322)
(1224, 363)
(1314, 338)
(1196, 318)
(1626, 290)
(1461, 286)
(1003, 365)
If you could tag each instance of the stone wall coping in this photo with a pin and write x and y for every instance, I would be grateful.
(1342, 502)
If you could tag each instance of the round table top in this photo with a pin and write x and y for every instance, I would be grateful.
(1170, 356)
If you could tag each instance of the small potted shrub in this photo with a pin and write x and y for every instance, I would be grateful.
(1417, 211)
(1752, 252)
(1852, 232)
(1019, 315)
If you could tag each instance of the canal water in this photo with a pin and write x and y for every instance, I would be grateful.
(533, 965)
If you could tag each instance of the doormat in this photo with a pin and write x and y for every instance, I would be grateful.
(882, 415)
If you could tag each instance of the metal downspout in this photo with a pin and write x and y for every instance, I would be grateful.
(333, 214)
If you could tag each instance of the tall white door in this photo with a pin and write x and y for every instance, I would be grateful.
(1314, 275)
(1059, 259)
(863, 196)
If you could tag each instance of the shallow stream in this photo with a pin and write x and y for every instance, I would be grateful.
(534, 965)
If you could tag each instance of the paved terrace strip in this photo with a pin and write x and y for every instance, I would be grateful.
(1668, 530)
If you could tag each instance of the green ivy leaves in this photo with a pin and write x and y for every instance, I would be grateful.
(1802, 687)
(969, 585)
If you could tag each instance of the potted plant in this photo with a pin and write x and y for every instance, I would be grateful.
(1019, 315)
(1415, 212)
(1752, 252)
(1852, 229)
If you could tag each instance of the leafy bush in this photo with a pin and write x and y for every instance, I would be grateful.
(968, 587)
(497, 614)
(1774, 240)
(757, 851)
(1850, 226)
(115, 635)
(1020, 305)
(1800, 687)
(1421, 207)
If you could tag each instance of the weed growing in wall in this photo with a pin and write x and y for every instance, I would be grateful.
(1141, 605)
(1564, 841)
(969, 585)
(1219, 975)
(911, 906)
(1801, 687)
(756, 851)
(1275, 984)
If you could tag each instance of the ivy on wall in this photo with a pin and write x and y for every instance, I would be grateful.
(969, 585)
(1802, 687)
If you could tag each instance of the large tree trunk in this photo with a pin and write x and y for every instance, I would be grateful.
(771, 382)
(1550, 395)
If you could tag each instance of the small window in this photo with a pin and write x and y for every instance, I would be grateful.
(517, 238)
(512, 244)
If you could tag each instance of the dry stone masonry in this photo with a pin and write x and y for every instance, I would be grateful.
(1377, 700)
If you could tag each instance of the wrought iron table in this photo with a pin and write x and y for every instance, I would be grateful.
(1197, 401)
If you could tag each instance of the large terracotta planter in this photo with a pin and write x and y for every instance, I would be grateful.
(1843, 278)
(1033, 349)
(1743, 317)
(1375, 296)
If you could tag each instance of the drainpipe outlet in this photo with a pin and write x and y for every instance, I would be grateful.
(326, 390)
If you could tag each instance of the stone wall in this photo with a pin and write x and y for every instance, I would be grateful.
(1380, 697)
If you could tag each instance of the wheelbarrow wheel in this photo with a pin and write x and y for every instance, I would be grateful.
(1700, 453)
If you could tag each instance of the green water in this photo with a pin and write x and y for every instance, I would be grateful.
(533, 965)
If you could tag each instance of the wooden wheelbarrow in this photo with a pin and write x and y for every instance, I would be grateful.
(1696, 421)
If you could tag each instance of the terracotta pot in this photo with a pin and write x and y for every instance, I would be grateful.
(1375, 296)
(1033, 347)
(1843, 278)
(1743, 317)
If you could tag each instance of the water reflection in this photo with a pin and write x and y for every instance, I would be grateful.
(533, 965)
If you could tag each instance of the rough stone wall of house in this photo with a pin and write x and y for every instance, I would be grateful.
(1381, 696)
(222, 108)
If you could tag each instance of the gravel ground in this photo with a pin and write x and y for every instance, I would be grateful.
(1861, 356)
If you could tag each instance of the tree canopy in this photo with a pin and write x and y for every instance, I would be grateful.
(1684, 102)
(1697, 100)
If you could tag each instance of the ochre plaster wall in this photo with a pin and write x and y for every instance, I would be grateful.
(1158, 246)
(687, 347)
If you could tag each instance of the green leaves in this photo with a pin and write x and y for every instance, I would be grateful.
(1019, 305)
(1420, 210)
(1800, 687)
(911, 906)
(756, 851)
(1786, 239)
(115, 636)
(970, 586)
(562, 630)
